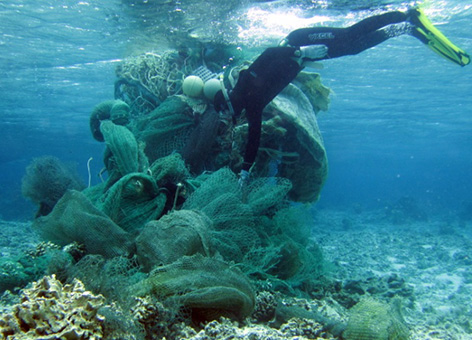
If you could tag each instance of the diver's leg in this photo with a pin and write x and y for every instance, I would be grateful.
(313, 36)
(323, 35)
(370, 39)
(375, 30)
(350, 40)
(376, 22)
(343, 43)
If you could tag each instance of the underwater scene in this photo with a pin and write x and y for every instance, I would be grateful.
(189, 169)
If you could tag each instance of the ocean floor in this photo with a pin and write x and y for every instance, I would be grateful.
(428, 261)
(433, 257)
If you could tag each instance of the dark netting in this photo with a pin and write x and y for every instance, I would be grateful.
(46, 180)
(198, 151)
(166, 129)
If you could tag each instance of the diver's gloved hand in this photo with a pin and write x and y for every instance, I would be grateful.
(244, 178)
(313, 52)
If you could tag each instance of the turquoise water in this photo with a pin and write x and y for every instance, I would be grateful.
(399, 124)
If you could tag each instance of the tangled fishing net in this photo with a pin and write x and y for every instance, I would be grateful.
(146, 80)
(170, 222)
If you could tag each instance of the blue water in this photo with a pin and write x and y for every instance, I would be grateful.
(400, 122)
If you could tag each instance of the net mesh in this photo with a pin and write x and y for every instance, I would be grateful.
(76, 219)
(236, 229)
(177, 234)
(375, 320)
(169, 169)
(300, 154)
(123, 146)
(132, 201)
(205, 285)
(184, 218)
(166, 129)
(146, 80)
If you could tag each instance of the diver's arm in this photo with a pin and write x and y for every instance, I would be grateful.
(267, 76)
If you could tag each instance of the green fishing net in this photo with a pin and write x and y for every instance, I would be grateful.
(247, 229)
(291, 144)
(76, 219)
(166, 129)
(171, 208)
(46, 181)
(207, 286)
(115, 110)
(122, 145)
(132, 201)
(179, 233)
(169, 169)
(375, 320)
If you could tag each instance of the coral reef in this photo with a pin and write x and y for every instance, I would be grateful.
(265, 307)
(304, 328)
(294, 329)
(50, 310)
(32, 264)
(385, 288)
(12, 275)
(158, 321)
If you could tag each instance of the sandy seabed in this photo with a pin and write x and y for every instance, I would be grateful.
(434, 257)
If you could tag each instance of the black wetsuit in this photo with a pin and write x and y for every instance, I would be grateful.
(276, 67)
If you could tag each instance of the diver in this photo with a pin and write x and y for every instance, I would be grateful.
(277, 66)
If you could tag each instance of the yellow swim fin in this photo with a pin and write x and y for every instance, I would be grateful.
(434, 39)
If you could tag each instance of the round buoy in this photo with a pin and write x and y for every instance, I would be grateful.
(192, 86)
(211, 87)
